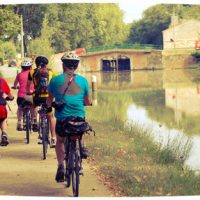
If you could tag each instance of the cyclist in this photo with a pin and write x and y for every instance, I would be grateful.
(4, 89)
(40, 76)
(76, 96)
(22, 79)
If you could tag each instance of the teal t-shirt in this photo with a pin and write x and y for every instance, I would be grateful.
(73, 98)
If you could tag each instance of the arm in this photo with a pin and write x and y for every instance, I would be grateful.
(87, 101)
(28, 86)
(49, 100)
(6, 90)
(15, 83)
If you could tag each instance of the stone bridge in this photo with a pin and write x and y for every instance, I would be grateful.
(121, 59)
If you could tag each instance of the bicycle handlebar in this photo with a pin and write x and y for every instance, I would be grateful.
(15, 88)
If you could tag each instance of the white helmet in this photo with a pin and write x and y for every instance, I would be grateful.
(26, 63)
(70, 59)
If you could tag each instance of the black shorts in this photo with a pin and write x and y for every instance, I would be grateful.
(37, 101)
(2, 119)
(19, 101)
(59, 128)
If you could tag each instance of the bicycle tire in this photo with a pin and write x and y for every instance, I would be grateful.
(45, 135)
(75, 172)
(67, 164)
(27, 114)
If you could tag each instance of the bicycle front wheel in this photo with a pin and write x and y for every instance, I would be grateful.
(45, 135)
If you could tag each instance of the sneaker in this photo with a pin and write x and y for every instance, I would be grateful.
(60, 174)
(35, 128)
(84, 152)
(52, 143)
(4, 140)
(19, 127)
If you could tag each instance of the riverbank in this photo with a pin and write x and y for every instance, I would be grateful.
(132, 165)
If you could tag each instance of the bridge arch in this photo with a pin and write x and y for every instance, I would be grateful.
(119, 63)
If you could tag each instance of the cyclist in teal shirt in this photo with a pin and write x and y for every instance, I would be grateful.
(73, 99)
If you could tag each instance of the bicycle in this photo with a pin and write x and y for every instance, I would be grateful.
(43, 128)
(73, 161)
(26, 106)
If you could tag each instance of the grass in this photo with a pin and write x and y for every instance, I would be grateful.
(136, 166)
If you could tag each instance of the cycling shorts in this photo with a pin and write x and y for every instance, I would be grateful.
(37, 101)
(19, 101)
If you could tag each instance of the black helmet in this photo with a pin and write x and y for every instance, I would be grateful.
(41, 61)
(71, 60)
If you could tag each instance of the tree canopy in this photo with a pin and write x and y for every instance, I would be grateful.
(63, 26)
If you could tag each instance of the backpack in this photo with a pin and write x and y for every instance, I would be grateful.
(41, 81)
(2, 100)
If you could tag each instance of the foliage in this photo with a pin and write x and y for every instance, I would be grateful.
(196, 55)
(9, 24)
(148, 30)
(42, 45)
(75, 25)
(8, 50)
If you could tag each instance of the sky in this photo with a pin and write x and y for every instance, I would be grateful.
(133, 9)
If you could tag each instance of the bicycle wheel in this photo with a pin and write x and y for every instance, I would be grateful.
(27, 114)
(45, 135)
(75, 171)
(67, 163)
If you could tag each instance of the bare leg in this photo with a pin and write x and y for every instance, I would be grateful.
(52, 125)
(3, 126)
(19, 117)
(60, 150)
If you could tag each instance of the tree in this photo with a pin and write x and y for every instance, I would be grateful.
(148, 30)
(9, 24)
(8, 50)
(42, 44)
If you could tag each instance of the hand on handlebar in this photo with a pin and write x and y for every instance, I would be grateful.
(9, 99)
(88, 104)
(29, 93)
(15, 87)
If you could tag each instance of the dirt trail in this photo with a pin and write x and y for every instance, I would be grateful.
(24, 173)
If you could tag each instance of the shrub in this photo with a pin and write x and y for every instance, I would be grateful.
(8, 50)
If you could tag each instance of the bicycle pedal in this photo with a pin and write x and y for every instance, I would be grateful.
(81, 173)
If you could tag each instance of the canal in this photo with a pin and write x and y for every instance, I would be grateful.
(166, 102)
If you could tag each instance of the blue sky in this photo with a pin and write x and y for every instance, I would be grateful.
(133, 9)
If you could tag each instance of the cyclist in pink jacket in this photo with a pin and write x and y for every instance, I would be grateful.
(21, 80)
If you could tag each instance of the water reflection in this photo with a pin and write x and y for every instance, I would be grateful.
(129, 80)
(163, 134)
(166, 101)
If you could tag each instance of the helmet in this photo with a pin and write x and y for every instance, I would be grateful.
(71, 60)
(41, 61)
(26, 64)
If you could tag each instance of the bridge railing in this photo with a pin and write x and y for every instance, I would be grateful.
(124, 46)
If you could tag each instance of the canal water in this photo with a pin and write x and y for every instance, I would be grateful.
(166, 102)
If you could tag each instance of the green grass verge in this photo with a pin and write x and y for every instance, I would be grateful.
(136, 165)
